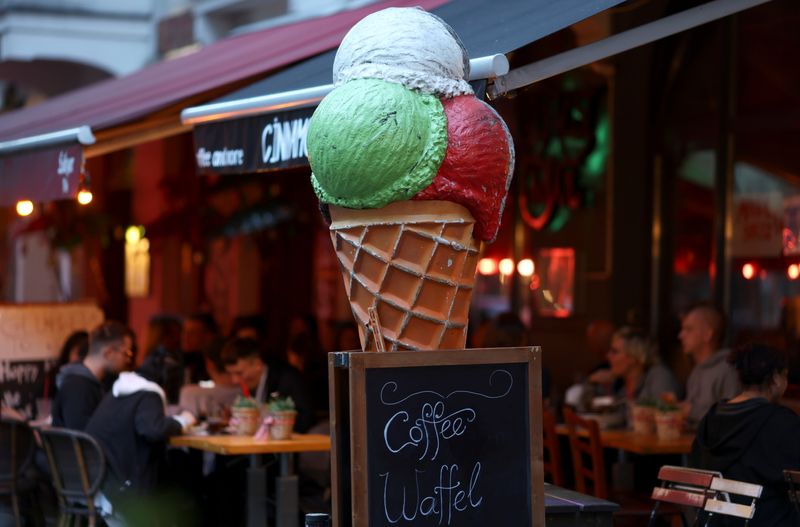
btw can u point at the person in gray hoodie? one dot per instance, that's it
(80, 387)
(712, 378)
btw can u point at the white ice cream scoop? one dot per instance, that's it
(408, 46)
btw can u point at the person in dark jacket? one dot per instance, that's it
(79, 384)
(750, 437)
(132, 428)
(264, 380)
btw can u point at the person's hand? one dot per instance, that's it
(186, 419)
(601, 377)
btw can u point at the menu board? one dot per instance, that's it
(443, 438)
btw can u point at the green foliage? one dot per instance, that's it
(281, 404)
(245, 402)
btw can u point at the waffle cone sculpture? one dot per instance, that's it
(415, 171)
(414, 262)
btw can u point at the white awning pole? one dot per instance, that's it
(633, 38)
(481, 68)
(82, 135)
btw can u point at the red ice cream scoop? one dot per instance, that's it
(478, 163)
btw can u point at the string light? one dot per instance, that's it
(748, 271)
(526, 267)
(506, 266)
(487, 266)
(85, 197)
(24, 207)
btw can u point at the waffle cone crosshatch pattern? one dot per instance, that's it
(414, 262)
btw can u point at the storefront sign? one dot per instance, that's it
(253, 144)
(40, 174)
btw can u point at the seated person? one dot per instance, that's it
(133, 430)
(79, 384)
(712, 378)
(244, 363)
(633, 359)
(752, 438)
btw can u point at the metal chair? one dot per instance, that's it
(686, 487)
(552, 465)
(77, 466)
(721, 503)
(17, 446)
(793, 482)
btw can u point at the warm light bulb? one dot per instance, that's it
(506, 266)
(85, 197)
(24, 207)
(133, 234)
(793, 271)
(748, 271)
(525, 267)
(487, 266)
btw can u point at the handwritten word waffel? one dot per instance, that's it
(428, 429)
(448, 495)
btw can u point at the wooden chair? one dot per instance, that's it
(550, 441)
(589, 470)
(588, 464)
(721, 503)
(685, 487)
(77, 467)
(793, 482)
(18, 445)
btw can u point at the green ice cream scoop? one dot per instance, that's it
(372, 142)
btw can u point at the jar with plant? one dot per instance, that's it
(643, 416)
(283, 412)
(669, 419)
(245, 415)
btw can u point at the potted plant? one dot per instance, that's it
(643, 416)
(245, 415)
(283, 413)
(669, 420)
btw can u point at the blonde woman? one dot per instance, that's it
(632, 358)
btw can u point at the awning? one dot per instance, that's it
(244, 130)
(486, 27)
(145, 105)
(43, 168)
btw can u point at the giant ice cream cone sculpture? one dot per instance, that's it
(415, 172)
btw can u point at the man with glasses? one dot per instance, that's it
(80, 385)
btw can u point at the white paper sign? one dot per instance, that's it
(31, 332)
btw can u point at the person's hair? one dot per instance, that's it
(77, 339)
(256, 322)
(713, 317)
(163, 330)
(636, 344)
(206, 320)
(505, 331)
(757, 364)
(240, 348)
(106, 334)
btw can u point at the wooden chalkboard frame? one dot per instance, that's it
(347, 376)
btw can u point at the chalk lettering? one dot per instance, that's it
(448, 496)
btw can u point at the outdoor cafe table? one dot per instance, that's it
(286, 483)
(626, 440)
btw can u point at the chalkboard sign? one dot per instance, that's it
(441, 438)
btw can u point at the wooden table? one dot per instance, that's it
(645, 444)
(286, 484)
